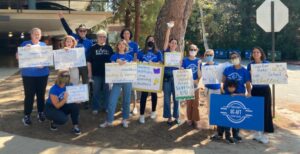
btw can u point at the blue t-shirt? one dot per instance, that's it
(124, 57)
(240, 75)
(191, 64)
(34, 71)
(149, 56)
(168, 73)
(57, 91)
(249, 69)
(133, 48)
(212, 86)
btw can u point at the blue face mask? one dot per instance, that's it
(209, 58)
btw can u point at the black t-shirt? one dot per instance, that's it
(98, 56)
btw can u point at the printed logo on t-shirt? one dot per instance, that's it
(102, 52)
(235, 76)
(61, 96)
(149, 57)
(193, 67)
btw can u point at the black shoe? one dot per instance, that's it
(86, 105)
(237, 139)
(41, 117)
(170, 123)
(53, 126)
(230, 140)
(26, 120)
(216, 137)
(76, 131)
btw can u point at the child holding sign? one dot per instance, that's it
(57, 109)
(170, 45)
(193, 63)
(121, 58)
(150, 54)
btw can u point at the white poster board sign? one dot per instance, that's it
(184, 84)
(77, 93)
(172, 59)
(35, 56)
(212, 74)
(269, 73)
(149, 77)
(116, 73)
(69, 58)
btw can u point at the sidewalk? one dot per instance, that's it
(6, 72)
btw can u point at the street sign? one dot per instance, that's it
(263, 15)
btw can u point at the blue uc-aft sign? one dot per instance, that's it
(237, 112)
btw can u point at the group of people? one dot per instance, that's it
(236, 81)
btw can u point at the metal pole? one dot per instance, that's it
(69, 6)
(273, 52)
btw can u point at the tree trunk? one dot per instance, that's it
(203, 28)
(179, 11)
(137, 5)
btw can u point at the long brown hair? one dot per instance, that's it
(263, 55)
(145, 50)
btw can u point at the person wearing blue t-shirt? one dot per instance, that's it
(258, 57)
(242, 76)
(150, 54)
(34, 81)
(121, 58)
(133, 49)
(193, 63)
(170, 45)
(57, 109)
(82, 41)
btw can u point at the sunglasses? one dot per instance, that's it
(209, 55)
(101, 36)
(193, 49)
(82, 31)
(65, 75)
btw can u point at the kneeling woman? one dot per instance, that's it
(57, 109)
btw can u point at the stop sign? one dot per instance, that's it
(263, 15)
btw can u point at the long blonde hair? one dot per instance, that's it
(73, 40)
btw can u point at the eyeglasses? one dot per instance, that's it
(193, 49)
(101, 36)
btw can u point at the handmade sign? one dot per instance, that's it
(77, 93)
(212, 74)
(237, 112)
(184, 84)
(149, 77)
(69, 58)
(35, 56)
(116, 73)
(269, 73)
(172, 59)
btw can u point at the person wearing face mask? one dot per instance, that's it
(193, 63)
(240, 74)
(210, 88)
(258, 57)
(82, 41)
(57, 109)
(150, 54)
(34, 81)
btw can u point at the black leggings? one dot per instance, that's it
(60, 116)
(34, 86)
(144, 96)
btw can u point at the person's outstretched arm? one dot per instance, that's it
(167, 36)
(65, 24)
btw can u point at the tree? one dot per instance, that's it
(178, 11)
(137, 5)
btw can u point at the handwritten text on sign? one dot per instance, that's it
(77, 93)
(35, 56)
(116, 73)
(184, 84)
(212, 74)
(65, 59)
(172, 59)
(270, 73)
(149, 77)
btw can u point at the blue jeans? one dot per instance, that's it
(168, 88)
(100, 93)
(60, 116)
(221, 130)
(113, 100)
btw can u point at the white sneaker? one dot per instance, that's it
(257, 136)
(125, 123)
(105, 124)
(142, 119)
(264, 139)
(135, 111)
(153, 115)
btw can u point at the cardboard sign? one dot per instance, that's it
(70, 58)
(184, 84)
(116, 73)
(77, 93)
(172, 59)
(35, 56)
(269, 73)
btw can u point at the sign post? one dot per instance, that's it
(272, 16)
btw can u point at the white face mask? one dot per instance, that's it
(193, 53)
(235, 61)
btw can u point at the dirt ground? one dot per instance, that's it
(153, 135)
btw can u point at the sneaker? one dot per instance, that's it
(177, 121)
(264, 139)
(26, 120)
(135, 111)
(153, 115)
(142, 119)
(41, 117)
(230, 140)
(237, 139)
(216, 137)
(125, 123)
(105, 124)
(53, 127)
(76, 131)
(94, 112)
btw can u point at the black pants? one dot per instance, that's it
(60, 116)
(34, 86)
(83, 72)
(143, 101)
(266, 93)
(221, 130)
